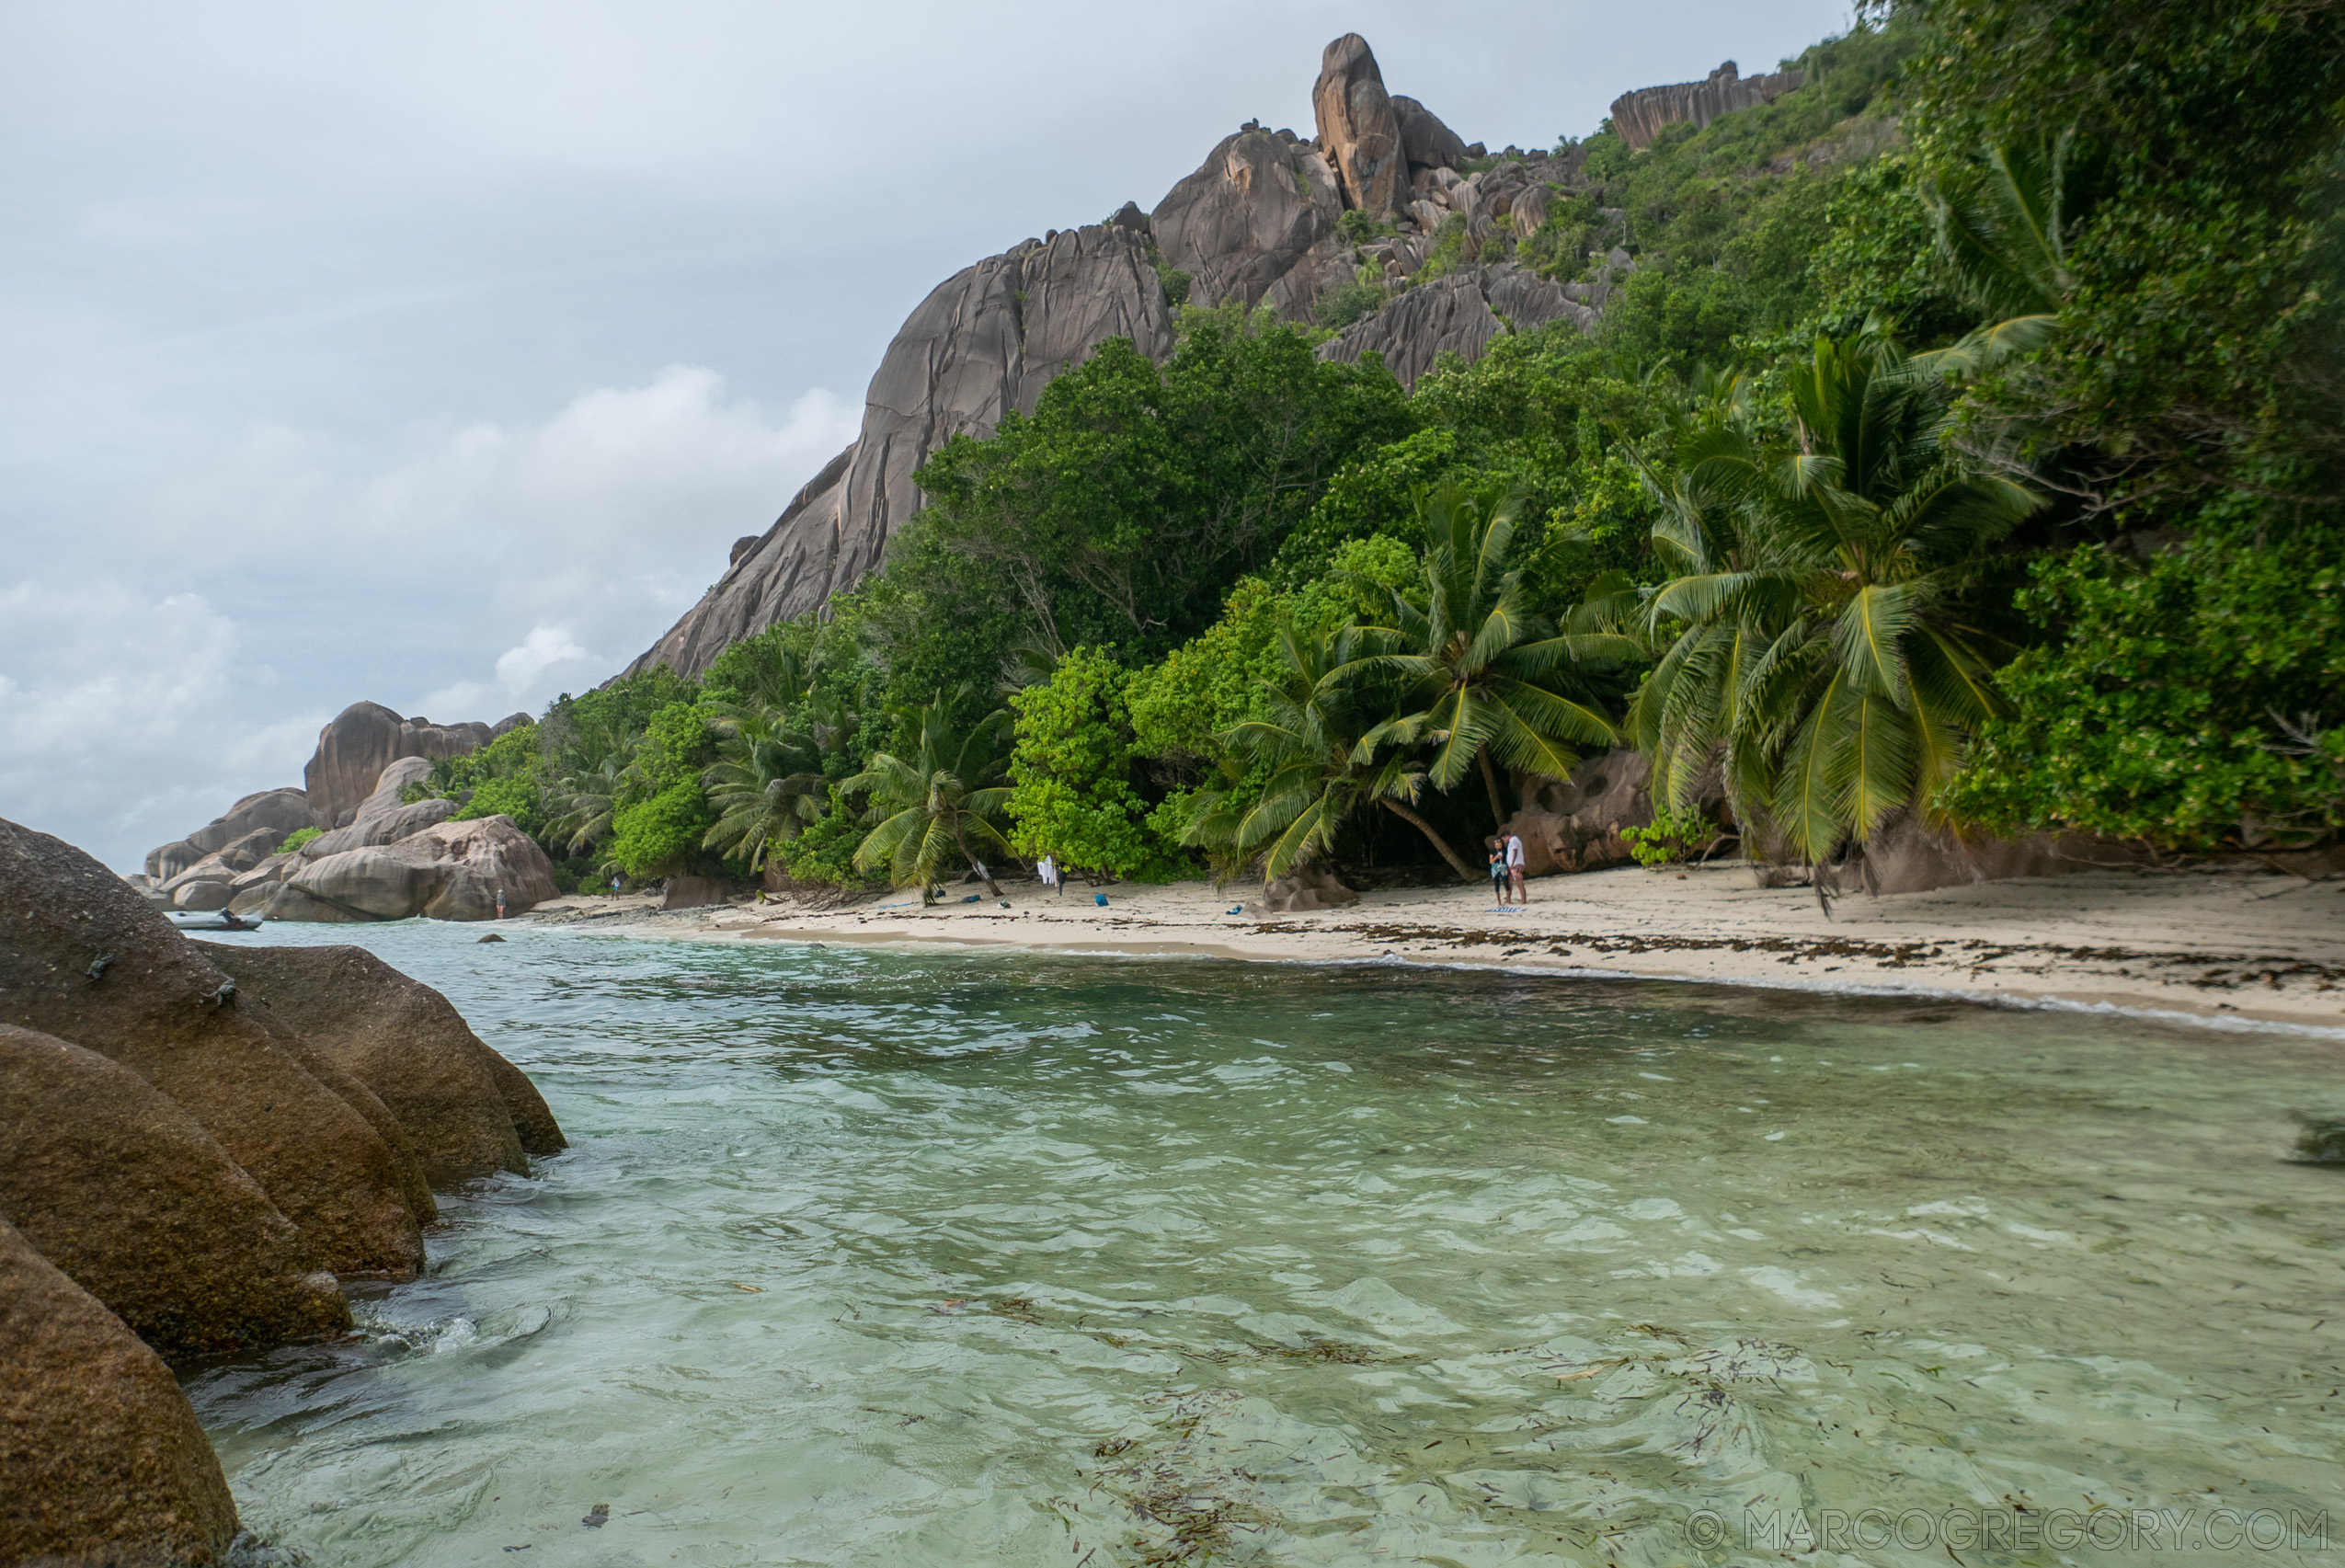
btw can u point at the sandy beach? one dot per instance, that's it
(2228, 946)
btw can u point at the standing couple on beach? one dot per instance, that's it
(1507, 866)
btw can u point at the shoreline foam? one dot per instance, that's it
(2260, 951)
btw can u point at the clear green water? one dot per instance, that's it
(881, 1258)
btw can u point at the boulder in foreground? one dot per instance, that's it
(83, 957)
(120, 1188)
(101, 1459)
(467, 1111)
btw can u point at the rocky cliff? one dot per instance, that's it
(1639, 117)
(1259, 223)
(986, 341)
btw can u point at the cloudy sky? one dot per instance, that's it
(434, 354)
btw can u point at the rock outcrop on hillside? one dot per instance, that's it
(1640, 115)
(1261, 222)
(1358, 127)
(1459, 313)
(101, 1459)
(1255, 221)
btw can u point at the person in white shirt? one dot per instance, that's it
(1514, 866)
(1048, 871)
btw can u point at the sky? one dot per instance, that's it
(435, 354)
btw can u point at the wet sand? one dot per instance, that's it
(2241, 947)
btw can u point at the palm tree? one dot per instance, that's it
(1817, 651)
(589, 781)
(2002, 232)
(942, 802)
(1488, 679)
(1318, 749)
(765, 784)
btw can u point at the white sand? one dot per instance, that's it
(2269, 948)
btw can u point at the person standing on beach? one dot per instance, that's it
(1048, 871)
(1514, 866)
(1497, 869)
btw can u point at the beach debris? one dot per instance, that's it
(1236, 909)
(974, 898)
(1100, 899)
(597, 1517)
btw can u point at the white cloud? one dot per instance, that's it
(489, 566)
(123, 717)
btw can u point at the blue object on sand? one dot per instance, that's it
(1100, 899)
(974, 898)
(1236, 909)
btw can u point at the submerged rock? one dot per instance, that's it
(465, 1109)
(83, 957)
(101, 1459)
(115, 1183)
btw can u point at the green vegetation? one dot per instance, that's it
(1963, 440)
(296, 838)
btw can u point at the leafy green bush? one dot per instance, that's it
(2192, 700)
(296, 838)
(1072, 773)
(824, 850)
(1668, 837)
(661, 836)
(518, 796)
(1342, 305)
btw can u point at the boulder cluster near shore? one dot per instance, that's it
(377, 855)
(195, 1142)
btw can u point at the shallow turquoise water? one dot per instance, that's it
(881, 1258)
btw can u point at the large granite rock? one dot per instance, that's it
(1358, 131)
(467, 1110)
(1303, 889)
(1640, 115)
(84, 958)
(451, 871)
(366, 738)
(1425, 142)
(1574, 824)
(1256, 221)
(1460, 312)
(381, 819)
(787, 571)
(1908, 856)
(117, 1184)
(275, 811)
(101, 1459)
(985, 341)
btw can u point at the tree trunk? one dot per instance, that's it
(1490, 783)
(987, 876)
(1465, 873)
